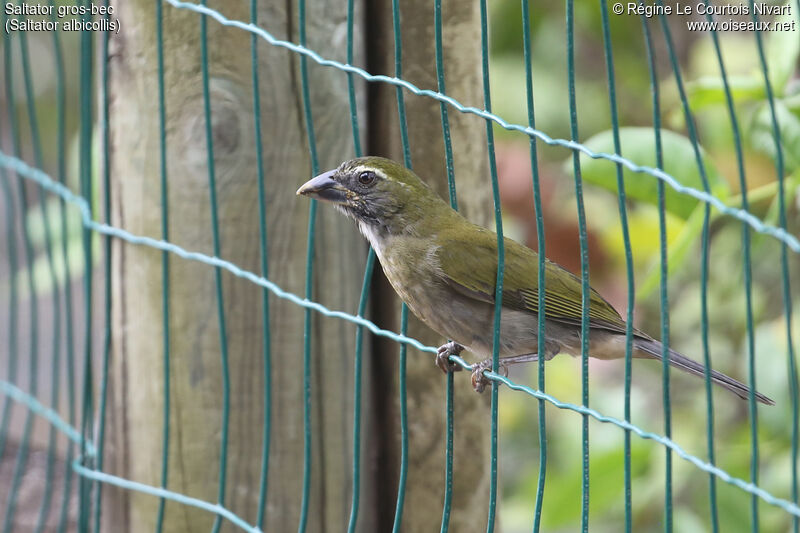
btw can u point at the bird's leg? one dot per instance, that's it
(443, 357)
(479, 381)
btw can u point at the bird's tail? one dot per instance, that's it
(653, 349)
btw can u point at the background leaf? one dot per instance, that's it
(638, 145)
(783, 50)
(707, 91)
(763, 139)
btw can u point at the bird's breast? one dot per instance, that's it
(413, 271)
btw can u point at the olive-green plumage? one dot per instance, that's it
(445, 269)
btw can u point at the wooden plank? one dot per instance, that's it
(136, 391)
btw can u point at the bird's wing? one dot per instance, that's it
(463, 263)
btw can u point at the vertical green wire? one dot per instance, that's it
(85, 170)
(46, 507)
(307, 373)
(312, 217)
(786, 289)
(537, 204)
(56, 381)
(13, 298)
(223, 339)
(451, 187)
(623, 218)
(12, 256)
(10, 211)
(38, 159)
(351, 90)
(33, 122)
(401, 114)
(448, 456)
(576, 165)
(104, 131)
(263, 256)
(398, 73)
(34, 315)
(69, 326)
(48, 243)
(664, 302)
(22, 452)
(704, 264)
(440, 82)
(165, 300)
(654, 89)
(498, 303)
(745, 236)
(751, 346)
(691, 130)
(402, 390)
(55, 287)
(362, 305)
(664, 315)
(791, 362)
(368, 270)
(364, 298)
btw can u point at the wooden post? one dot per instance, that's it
(426, 384)
(136, 394)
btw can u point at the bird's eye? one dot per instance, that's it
(367, 177)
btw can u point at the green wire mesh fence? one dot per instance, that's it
(29, 230)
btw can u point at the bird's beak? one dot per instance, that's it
(324, 187)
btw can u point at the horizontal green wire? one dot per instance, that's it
(217, 509)
(41, 178)
(35, 407)
(18, 395)
(779, 233)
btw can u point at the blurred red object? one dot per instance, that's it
(562, 244)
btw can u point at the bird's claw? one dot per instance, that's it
(443, 357)
(479, 380)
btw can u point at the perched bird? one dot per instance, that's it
(444, 268)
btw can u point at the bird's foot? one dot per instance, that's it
(443, 357)
(479, 381)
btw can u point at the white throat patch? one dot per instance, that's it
(370, 233)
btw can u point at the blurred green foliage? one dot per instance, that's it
(518, 413)
(726, 297)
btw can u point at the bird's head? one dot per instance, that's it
(381, 195)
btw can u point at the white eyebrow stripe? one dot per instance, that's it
(362, 168)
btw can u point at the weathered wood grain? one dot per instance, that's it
(426, 384)
(136, 391)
